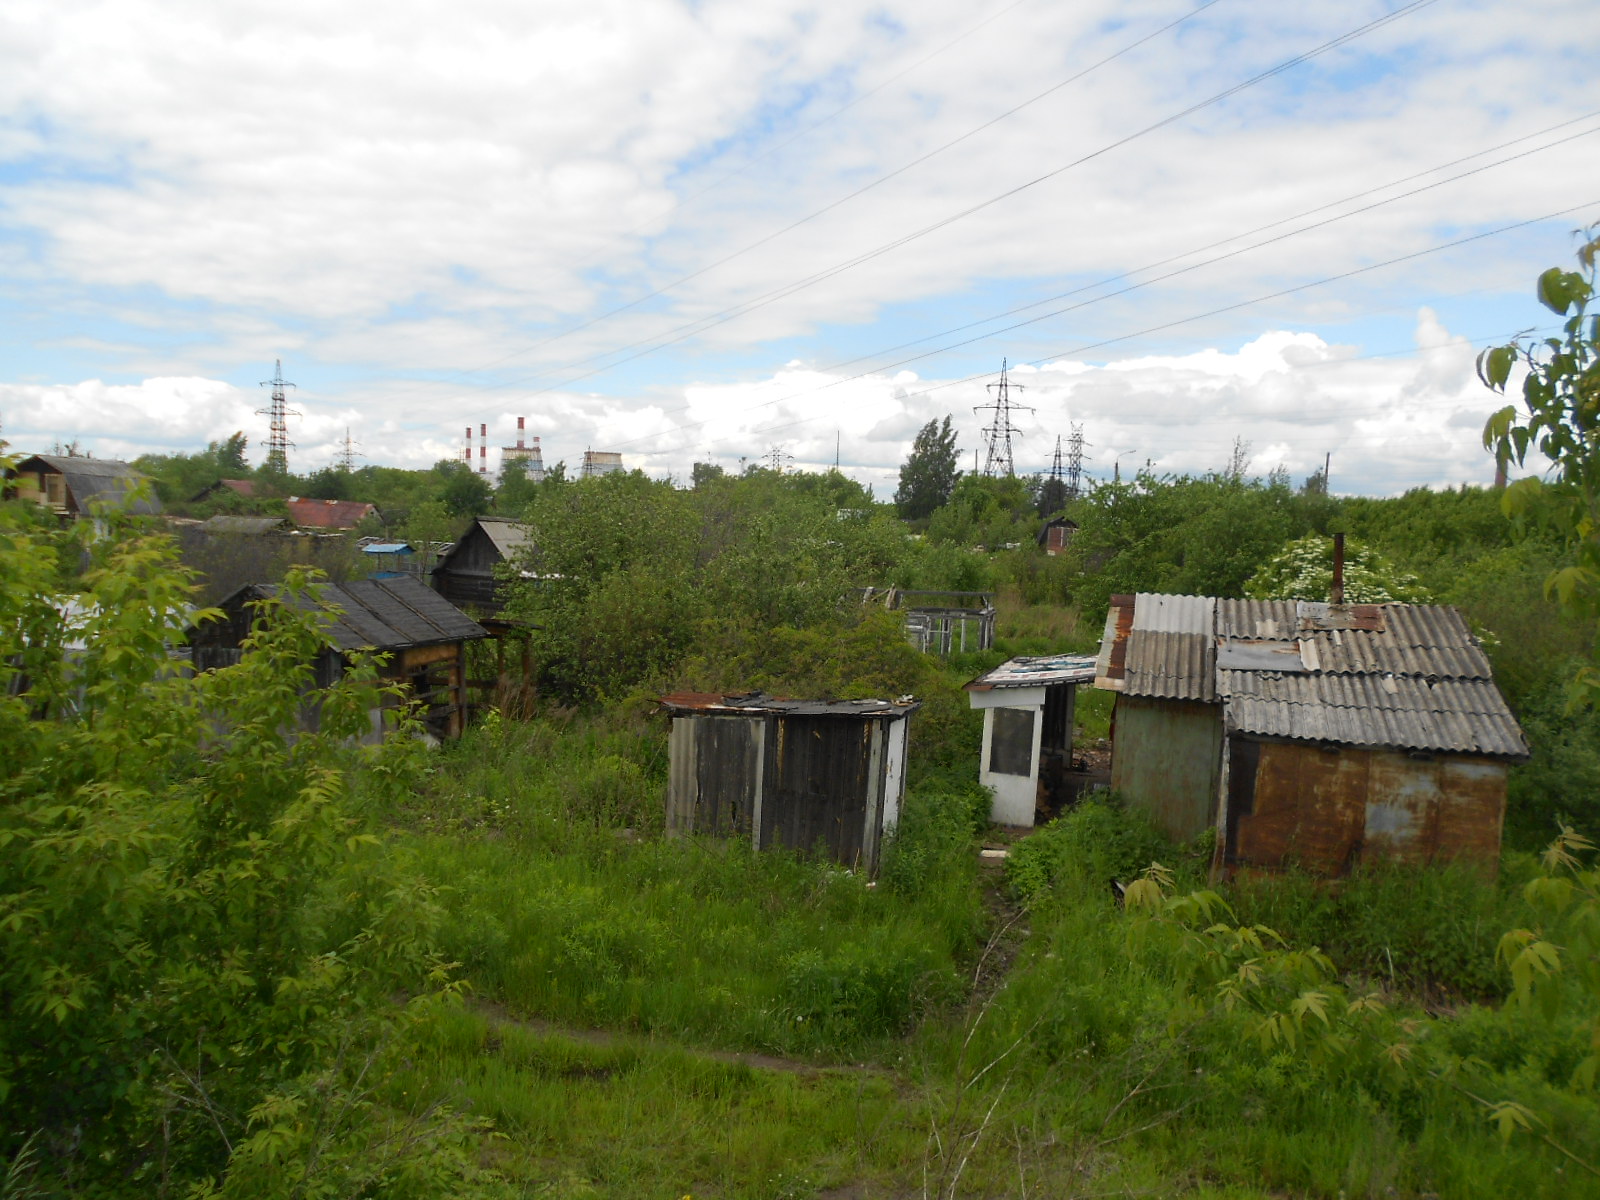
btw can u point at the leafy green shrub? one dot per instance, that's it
(1098, 841)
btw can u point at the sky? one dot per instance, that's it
(729, 230)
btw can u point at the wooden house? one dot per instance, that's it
(1310, 735)
(466, 573)
(1028, 706)
(328, 514)
(424, 636)
(810, 775)
(1056, 535)
(70, 484)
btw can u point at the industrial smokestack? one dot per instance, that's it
(467, 454)
(1338, 569)
(483, 449)
(519, 434)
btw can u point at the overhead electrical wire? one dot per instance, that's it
(701, 325)
(1165, 325)
(881, 367)
(765, 153)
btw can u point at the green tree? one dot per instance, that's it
(1303, 570)
(929, 474)
(516, 490)
(462, 490)
(1560, 418)
(199, 944)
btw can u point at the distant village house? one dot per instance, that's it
(328, 514)
(471, 572)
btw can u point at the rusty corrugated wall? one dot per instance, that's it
(1164, 760)
(1325, 808)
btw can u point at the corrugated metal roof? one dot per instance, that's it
(384, 614)
(759, 702)
(1037, 672)
(328, 514)
(1171, 666)
(1464, 716)
(222, 523)
(1404, 676)
(1157, 613)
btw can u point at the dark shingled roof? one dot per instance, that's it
(381, 614)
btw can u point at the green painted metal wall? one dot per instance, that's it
(1165, 758)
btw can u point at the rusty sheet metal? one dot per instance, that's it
(1173, 666)
(1323, 811)
(1036, 672)
(1111, 667)
(1314, 615)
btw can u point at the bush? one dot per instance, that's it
(1097, 842)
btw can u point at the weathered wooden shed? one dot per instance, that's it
(69, 484)
(1309, 734)
(1028, 706)
(1056, 535)
(424, 635)
(466, 574)
(806, 774)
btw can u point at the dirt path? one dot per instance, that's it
(499, 1015)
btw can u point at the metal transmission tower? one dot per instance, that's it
(345, 460)
(1074, 460)
(277, 415)
(777, 458)
(1055, 464)
(998, 433)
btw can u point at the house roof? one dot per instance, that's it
(379, 614)
(242, 487)
(222, 523)
(328, 514)
(751, 703)
(1037, 672)
(508, 536)
(1400, 676)
(102, 479)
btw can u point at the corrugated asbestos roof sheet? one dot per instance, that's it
(760, 702)
(101, 479)
(1036, 672)
(1405, 676)
(1168, 651)
(387, 614)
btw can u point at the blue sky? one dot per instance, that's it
(462, 215)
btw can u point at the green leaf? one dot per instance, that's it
(1559, 290)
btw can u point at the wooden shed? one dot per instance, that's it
(810, 775)
(69, 484)
(1310, 735)
(424, 635)
(1028, 706)
(466, 574)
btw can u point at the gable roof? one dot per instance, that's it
(240, 487)
(328, 514)
(97, 479)
(508, 537)
(378, 614)
(1399, 676)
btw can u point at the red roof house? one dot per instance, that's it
(328, 514)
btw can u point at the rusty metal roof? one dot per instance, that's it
(1037, 672)
(1395, 675)
(756, 703)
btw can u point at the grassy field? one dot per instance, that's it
(668, 1017)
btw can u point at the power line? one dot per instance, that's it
(1222, 309)
(701, 325)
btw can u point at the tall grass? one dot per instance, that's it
(566, 902)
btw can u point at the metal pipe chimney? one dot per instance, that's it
(1338, 570)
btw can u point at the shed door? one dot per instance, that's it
(817, 788)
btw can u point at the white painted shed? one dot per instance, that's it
(1028, 706)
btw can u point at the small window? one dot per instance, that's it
(1011, 743)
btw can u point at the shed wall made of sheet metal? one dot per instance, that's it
(1165, 760)
(1324, 809)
